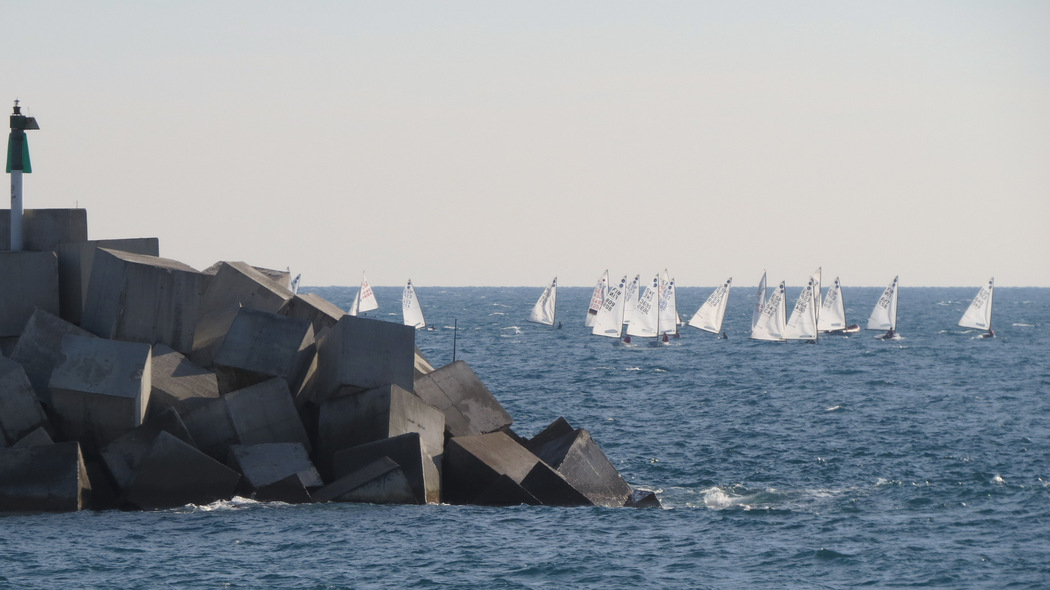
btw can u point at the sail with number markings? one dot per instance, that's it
(802, 325)
(546, 306)
(668, 317)
(709, 316)
(884, 315)
(630, 299)
(760, 301)
(365, 300)
(833, 310)
(411, 312)
(610, 316)
(596, 298)
(771, 322)
(979, 314)
(645, 321)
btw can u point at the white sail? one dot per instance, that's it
(365, 300)
(410, 309)
(802, 325)
(543, 311)
(884, 316)
(668, 320)
(630, 299)
(760, 301)
(833, 310)
(816, 276)
(646, 322)
(596, 298)
(294, 286)
(979, 314)
(610, 316)
(709, 316)
(665, 279)
(771, 323)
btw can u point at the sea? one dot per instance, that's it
(852, 462)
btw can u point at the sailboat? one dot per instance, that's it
(294, 285)
(816, 277)
(771, 323)
(884, 316)
(802, 325)
(760, 301)
(596, 298)
(546, 305)
(410, 309)
(365, 300)
(667, 320)
(979, 314)
(832, 319)
(609, 320)
(630, 299)
(709, 316)
(645, 322)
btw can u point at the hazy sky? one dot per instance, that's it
(501, 143)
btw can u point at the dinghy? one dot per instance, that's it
(544, 310)
(884, 316)
(832, 319)
(710, 315)
(771, 322)
(411, 312)
(365, 300)
(979, 314)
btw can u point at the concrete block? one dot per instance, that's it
(473, 463)
(211, 427)
(37, 438)
(504, 491)
(142, 299)
(379, 482)
(238, 283)
(43, 479)
(420, 468)
(74, 269)
(362, 354)
(422, 365)
(261, 345)
(275, 471)
(179, 383)
(100, 389)
(313, 308)
(551, 488)
(123, 455)
(44, 229)
(643, 499)
(28, 280)
(20, 410)
(376, 414)
(40, 348)
(469, 407)
(209, 333)
(583, 464)
(174, 473)
(560, 427)
(265, 413)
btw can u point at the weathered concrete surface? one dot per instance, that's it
(474, 463)
(211, 427)
(20, 411)
(173, 473)
(44, 229)
(37, 438)
(362, 354)
(29, 280)
(643, 499)
(238, 283)
(275, 471)
(142, 298)
(261, 345)
(313, 308)
(557, 429)
(379, 482)
(387, 411)
(123, 455)
(43, 479)
(504, 491)
(178, 383)
(583, 464)
(407, 450)
(422, 365)
(74, 269)
(551, 488)
(100, 389)
(469, 406)
(39, 348)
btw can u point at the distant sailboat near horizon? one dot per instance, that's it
(646, 321)
(832, 319)
(710, 315)
(630, 299)
(979, 314)
(364, 300)
(667, 320)
(597, 297)
(609, 321)
(802, 325)
(546, 306)
(760, 301)
(411, 312)
(884, 315)
(772, 320)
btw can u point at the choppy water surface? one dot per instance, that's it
(919, 462)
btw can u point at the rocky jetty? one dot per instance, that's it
(132, 381)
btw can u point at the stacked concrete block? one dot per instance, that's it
(178, 383)
(44, 229)
(100, 389)
(355, 419)
(313, 308)
(422, 366)
(142, 299)
(20, 410)
(275, 471)
(469, 406)
(75, 261)
(379, 482)
(49, 478)
(582, 463)
(174, 473)
(39, 348)
(407, 450)
(361, 354)
(261, 345)
(39, 437)
(123, 455)
(28, 280)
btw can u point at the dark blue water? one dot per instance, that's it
(922, 462)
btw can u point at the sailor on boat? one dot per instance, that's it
(989, 334)
(889, 334)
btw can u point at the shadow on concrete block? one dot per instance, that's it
(179, 383)
(20, 410)
(74, 269)
(379, 482)
(123, 455)
(39, 348)
(173, 473)
(474, 463)
(37, 438)
(30, 280)
(259, 346)
(583, 464)
(275, 472)
(49, 478)
(469, 407)
(407, 450)
(313, 308)
(44, 229)
(361, 354)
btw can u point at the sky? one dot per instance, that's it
(479, 143)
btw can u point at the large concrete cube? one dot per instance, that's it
(313, 308)
(142, 299)
(49, 478)
(261, 345)
(178, 383)
(123, 455)
(28, 280)
(100, 389)
(379, 482)
(173, 473)
(74, 269)
(238, 283)
(20, 411)
(275, 471)
(407, 450)
(39, 348)
(362, 353)
(469, 406)
(583, 464)
(45, 229)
